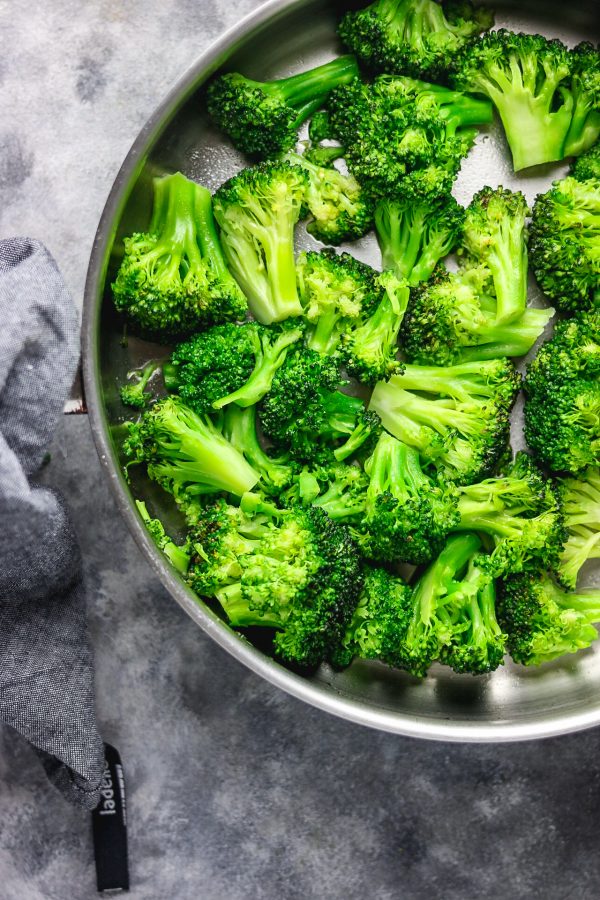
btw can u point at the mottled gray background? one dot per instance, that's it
(236, 791)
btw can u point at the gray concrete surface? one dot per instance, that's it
(236, 791)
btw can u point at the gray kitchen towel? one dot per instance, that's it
(46, 666)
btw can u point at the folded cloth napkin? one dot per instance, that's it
(46, 666)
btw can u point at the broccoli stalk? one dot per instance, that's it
(173, 278)
(178, 556)
(185, 453)
(585, 85)
(263, 118)
(495, 237)
(544, 622)
(134, 394)
(256, 211)
(414, 235)
(239, 427)
(581, 508)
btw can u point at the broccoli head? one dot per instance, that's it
(494, 236)
(339, 210)
(256, 211)
(587, 166)
(412, 37)
(562, 397)
(457, 417)
(185, 453)
(565, 243)
(173, 278)
(262, 118)
(135, 394)
(452, 318)
(414, 234)
(376, 629)
(520, 514)
(580, 498)
(292, 570)
(544, 622)
(407, 514)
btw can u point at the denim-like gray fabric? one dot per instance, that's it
(46, 666)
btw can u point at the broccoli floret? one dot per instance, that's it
(494, 236)
(587, 166)
(432, 627)
(414, 235)
(185, 453)
(239, 427)
(178, 556)
(339, 208)
(362, 440)
(457, 417)
(173, 278)
(135, 394)
(256, 211)
(407, 514)
(369, 346)
(544, 94)
(412, 37)
(262, 118)
(319, 128)
(580, 499)
(565, 243)
(562, 397)
(544, 622)
(342, 492)
(292, 570)
(453, 318)
(229, 364)
(585, 88)
(379, 622)
(520, 513)
(334, 289)
(400, 132)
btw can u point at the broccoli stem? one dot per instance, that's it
(393, 467)
(238, 608)
(359, 435)
(173, 221)
(177, 556)
(303, 90)
(342, 411)
(240, 430)
(379, 334)
(210, 244)
(336, 504)
(269, 358)
(515, 339)
(324, 338)
(460, 381)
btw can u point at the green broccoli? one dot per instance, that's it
(135, 394)
(292, 570)
(412, 37)
(177, 555)
(545, 94)
(319, 127)
(397, 132)
(185, 453)
(262, 118)
(452, 319)
(173, 278)
(414, 235)
(376, 629)
(565, 243)
(494, 236)
(562, 397)
(342, 492)
(519, 512)
(457, 417)
(580, 498)
(339, 208)
(335, 289)
(544, 622)
(256, 211)
(239, 427)
(369, 345)
(587, 166)
(229, 364)
(407, 514)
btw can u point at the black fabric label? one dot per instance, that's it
(109, 826)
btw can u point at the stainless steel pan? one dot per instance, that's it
(284, 36)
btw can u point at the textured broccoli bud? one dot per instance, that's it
(587, 166)
(262, 118)
(256, 211)
(412, 37)
(565, 243)
(544, 622)
(173, 278)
